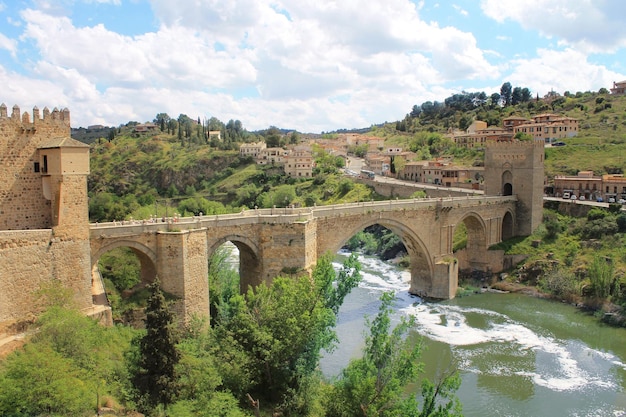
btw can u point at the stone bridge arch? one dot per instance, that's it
(147, 257)
(250, 265)
(421, 260)
(508, 225)
(477, 240)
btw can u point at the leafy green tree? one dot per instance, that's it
(162, 119)
(201, 393)
(273, 137)
(495, 100)
(40, 381)
(276, 333)
(154, 375)
(375, 385)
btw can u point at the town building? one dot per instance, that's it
(549, 127)
(272, 156)
(546, 127)
(619, 87)
(585, 184)
(145, 127)
(442, 173)
(299, 162)
(215, 134)
(251, 149)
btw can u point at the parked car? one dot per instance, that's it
(582, 198)
(566, 196)
(599, 199)
(611, 200)
(573, 197)
(621, 201)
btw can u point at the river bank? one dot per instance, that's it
(606, 312)
(517, 354)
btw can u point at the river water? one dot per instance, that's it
(517, 355)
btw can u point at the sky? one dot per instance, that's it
(310, 65)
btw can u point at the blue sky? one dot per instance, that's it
(310, 65)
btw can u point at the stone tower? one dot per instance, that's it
(44, 223)
(517, 168)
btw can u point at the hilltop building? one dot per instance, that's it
(619, 88)
(251, 149)
(299, 162)
(546, 127)
(145, 127)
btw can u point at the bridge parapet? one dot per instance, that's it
(286, 215)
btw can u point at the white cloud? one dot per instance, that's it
(592, 26)
(8, 44)
(561, 71)
(460, 10)
(309, 65)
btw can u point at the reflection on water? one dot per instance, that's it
(518, 356)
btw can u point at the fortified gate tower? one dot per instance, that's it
(516, 168)
(44, 221)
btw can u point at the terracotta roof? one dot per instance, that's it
(64, 142)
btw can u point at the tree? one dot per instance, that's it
(495, 100)
(154, 377)
(162, 119)
(39, 381)
(277, 332)
(516, 96)
(506, 92)
(375, 384)
(272, 137)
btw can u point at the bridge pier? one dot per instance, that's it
(440, 284)
(183, 271)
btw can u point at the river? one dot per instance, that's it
(517, 355)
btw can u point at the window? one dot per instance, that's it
(36, 167)
(45, 164)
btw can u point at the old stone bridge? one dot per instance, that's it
(271, 241)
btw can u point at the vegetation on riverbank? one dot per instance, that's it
(260, 356)
(578, 260)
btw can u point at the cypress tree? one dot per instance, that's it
(155, 378)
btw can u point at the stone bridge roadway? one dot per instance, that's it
(271, 241)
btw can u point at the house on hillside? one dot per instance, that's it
(251, 149)
(215, 134)
(299, 163)
(441, 172)
(619, 87)
(145, 127)
(549, 127)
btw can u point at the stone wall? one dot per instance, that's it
(394, 189)
(32, 260)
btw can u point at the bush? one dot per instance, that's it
(561, 283)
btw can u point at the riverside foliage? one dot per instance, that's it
(259, 357)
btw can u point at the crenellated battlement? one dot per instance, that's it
(56, 116)
(517, 144)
